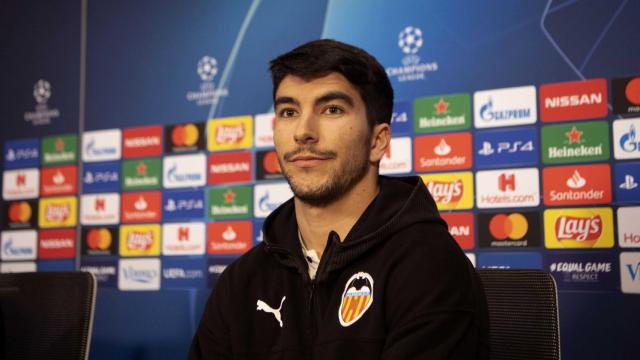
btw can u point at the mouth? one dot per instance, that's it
(308, 161)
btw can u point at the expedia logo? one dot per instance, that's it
(357, 298)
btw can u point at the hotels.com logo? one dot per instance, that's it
(446, 192)
(578, 228)
(507, 182)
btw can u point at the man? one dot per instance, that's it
(356, 265)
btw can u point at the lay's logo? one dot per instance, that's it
(230, 133)
(140, 240)
(579, 228)
(58, 212)
(451, 190)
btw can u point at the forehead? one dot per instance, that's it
(300, 88)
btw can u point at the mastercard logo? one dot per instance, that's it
(513, 226)
(185, 135)
(270, 163)
(20, 212)
(99, 239)
(632, 91)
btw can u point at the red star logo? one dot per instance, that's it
(229, 197)
(574, 135)
(141, 169)
(441, 106)
(59, 144)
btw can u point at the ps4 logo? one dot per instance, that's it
(399, 117)
(506, 147)
(183, 204)
(100, 177)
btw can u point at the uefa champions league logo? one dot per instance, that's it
(42, 91)
(207, 68)
(410, 40)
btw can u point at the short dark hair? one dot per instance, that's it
(321, 57)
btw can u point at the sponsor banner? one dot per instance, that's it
(510, 260)
(472, 258)
(264, 124)
(59, 180)
(626, 139)
(576, 184)
(442, 152)
(577, 228)
(141, 207)
(57, 244)
(99, 241)
(397, 157)
(58, 212)
(215, 267)
(101, 145)
(577, 142)
(105, 271)
(629, 227)
(183, 138)
(626, 95)
(442, 113)
(509, 230)
(18, 245)
(401, 117)
(139, 274)
(18, 267)
(140, 240)
(506, 147)
(141, 174)
(230, 133)
(505, 107)
(56, 265)
(461, 227)
(183, 238)
(229, 237)
(183, 273)
(583, 272)
(630, 272)
(184, 171)
(267, 166)
(267, 197)
(451, 191)
(573, 100)
(20, 184)
(101, 177)
(142, 141)
(181, 205)
(230, 202)
(229, 167)
(258, 237)
(59, 149)
(98, 209)
(19, 214)
(21, 153)
(507, 188)
(627, 176)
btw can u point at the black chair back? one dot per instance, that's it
(46, 315)
(523, 314)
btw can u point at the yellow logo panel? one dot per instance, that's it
(140, 240)
(230, 133)
(451, 191)
(578, 228)
(58, 212)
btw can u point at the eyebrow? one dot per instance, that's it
(328, 97)
(285, 100)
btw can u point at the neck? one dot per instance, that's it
(315, 222)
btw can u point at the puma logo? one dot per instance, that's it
(266, 308)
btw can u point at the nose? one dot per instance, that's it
(306, 130)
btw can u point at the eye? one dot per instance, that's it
(333, 110)
(288, 112)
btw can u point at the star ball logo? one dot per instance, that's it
(42, 115)
(207, 94)
(207, 68)
(410, 41)
(516, 229)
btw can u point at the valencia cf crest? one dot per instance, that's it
(356, 298)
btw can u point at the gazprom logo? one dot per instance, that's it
(265, 204)
(10, 250)
(505, 107)
(184, 170)
(175, 176)
(487, 112)
(101, 145)
(93, 150)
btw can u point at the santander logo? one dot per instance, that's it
(445, 192)
(576, 181)
(578, 228)
(442, 149)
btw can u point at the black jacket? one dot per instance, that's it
(426, 300)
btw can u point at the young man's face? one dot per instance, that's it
(322, 137)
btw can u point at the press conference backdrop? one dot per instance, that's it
(137, 144)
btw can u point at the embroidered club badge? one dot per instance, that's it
(356, 298)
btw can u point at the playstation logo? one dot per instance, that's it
(487, 149)
(629, 183)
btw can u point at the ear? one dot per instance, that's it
(380, 141)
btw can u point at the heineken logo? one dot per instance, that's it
(230, 202)
(59, 149)
(141, 174)
(440, 113)
(575, 143)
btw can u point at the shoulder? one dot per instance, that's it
(248, 265)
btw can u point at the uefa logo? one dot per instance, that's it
(410, 40)
(42, 91)
(207, 68)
